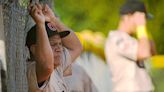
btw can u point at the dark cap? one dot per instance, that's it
(51, 30)
(131, 6)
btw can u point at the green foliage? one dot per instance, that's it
(157, 77)
(156, 25)
(102, 16)
(88, 14)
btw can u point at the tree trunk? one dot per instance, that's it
(16, 22)
(2, 54)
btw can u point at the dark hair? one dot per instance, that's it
(131, 6)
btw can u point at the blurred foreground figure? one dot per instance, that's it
(126, 54)
(80, 81)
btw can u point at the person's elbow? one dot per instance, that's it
(44, 72)
(47, 65)
(76, 52)
(49, 69)
(144, 55)
(80, 48)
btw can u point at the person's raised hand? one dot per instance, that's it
(36, 13)
(140, 21)
(48, 13)
(139, 18)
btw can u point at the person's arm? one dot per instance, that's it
(43, 53)
(71, 42)
(152, 49)
(144, 49)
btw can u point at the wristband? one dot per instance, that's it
(142, 32)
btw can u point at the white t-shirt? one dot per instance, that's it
(56, 82)
(121, 53)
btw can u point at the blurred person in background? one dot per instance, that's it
(80, 81)
(92, 60)
(126, 54)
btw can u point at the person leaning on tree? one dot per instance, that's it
(53, 47)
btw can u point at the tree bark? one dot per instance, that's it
(16, 22)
